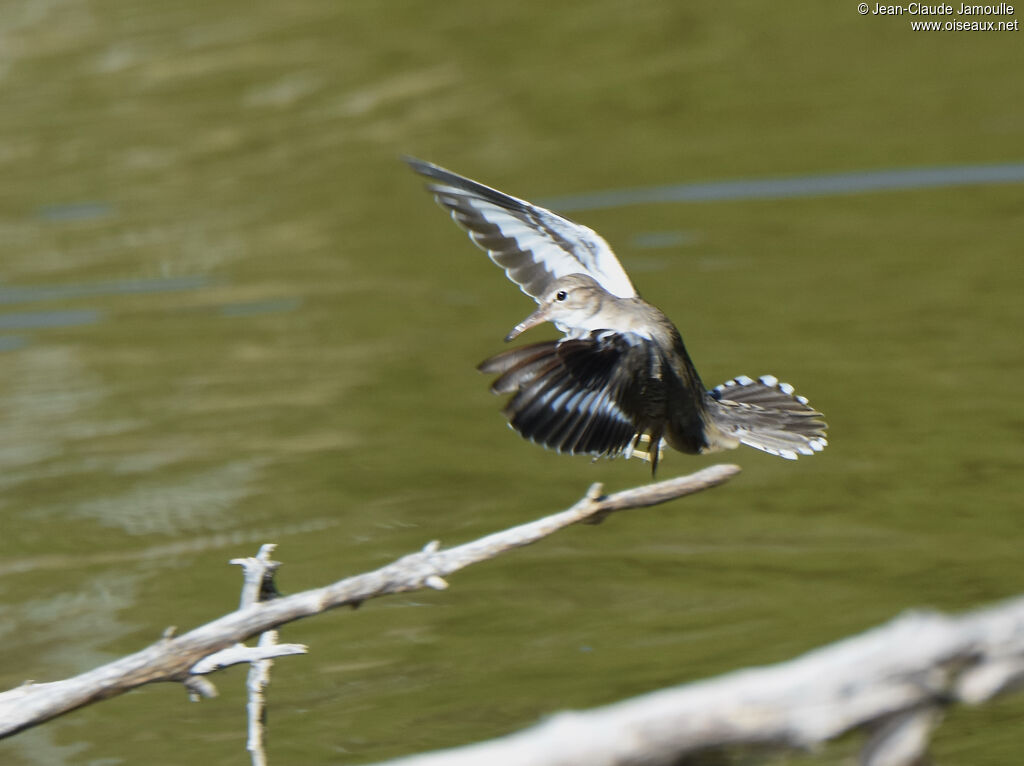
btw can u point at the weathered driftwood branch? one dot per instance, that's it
(259, 586)
(174, 658)
(893, 680)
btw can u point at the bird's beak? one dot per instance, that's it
(540, 316)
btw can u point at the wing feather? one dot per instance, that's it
(572, 395)
(533, 245)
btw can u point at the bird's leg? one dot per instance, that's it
(632, 451)
(627, 452)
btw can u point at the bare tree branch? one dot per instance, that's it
(259, 585)
(894, 679)
(239, 653)
(173, 658)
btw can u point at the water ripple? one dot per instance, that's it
(35, 293)
(800, 186)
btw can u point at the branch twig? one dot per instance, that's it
(259, 583)
(173, 658)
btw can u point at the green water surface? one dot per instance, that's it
(229, 315)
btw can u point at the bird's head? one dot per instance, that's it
(573, 302)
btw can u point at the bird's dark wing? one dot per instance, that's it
(576, 395)
(533, 245)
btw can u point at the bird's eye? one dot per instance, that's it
(561, 295)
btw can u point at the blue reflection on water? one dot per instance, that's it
(34, 320)
(12, 342)
(75, 211)
(33, 293)
(271, 306)
(800, 186)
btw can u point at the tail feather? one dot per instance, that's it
(767, 415)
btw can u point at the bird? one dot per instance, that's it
(620, 378)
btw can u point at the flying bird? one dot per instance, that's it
(620, 379)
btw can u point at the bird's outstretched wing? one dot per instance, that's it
(574, 396)
(533, 245)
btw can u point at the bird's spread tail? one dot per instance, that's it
(767, 415)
